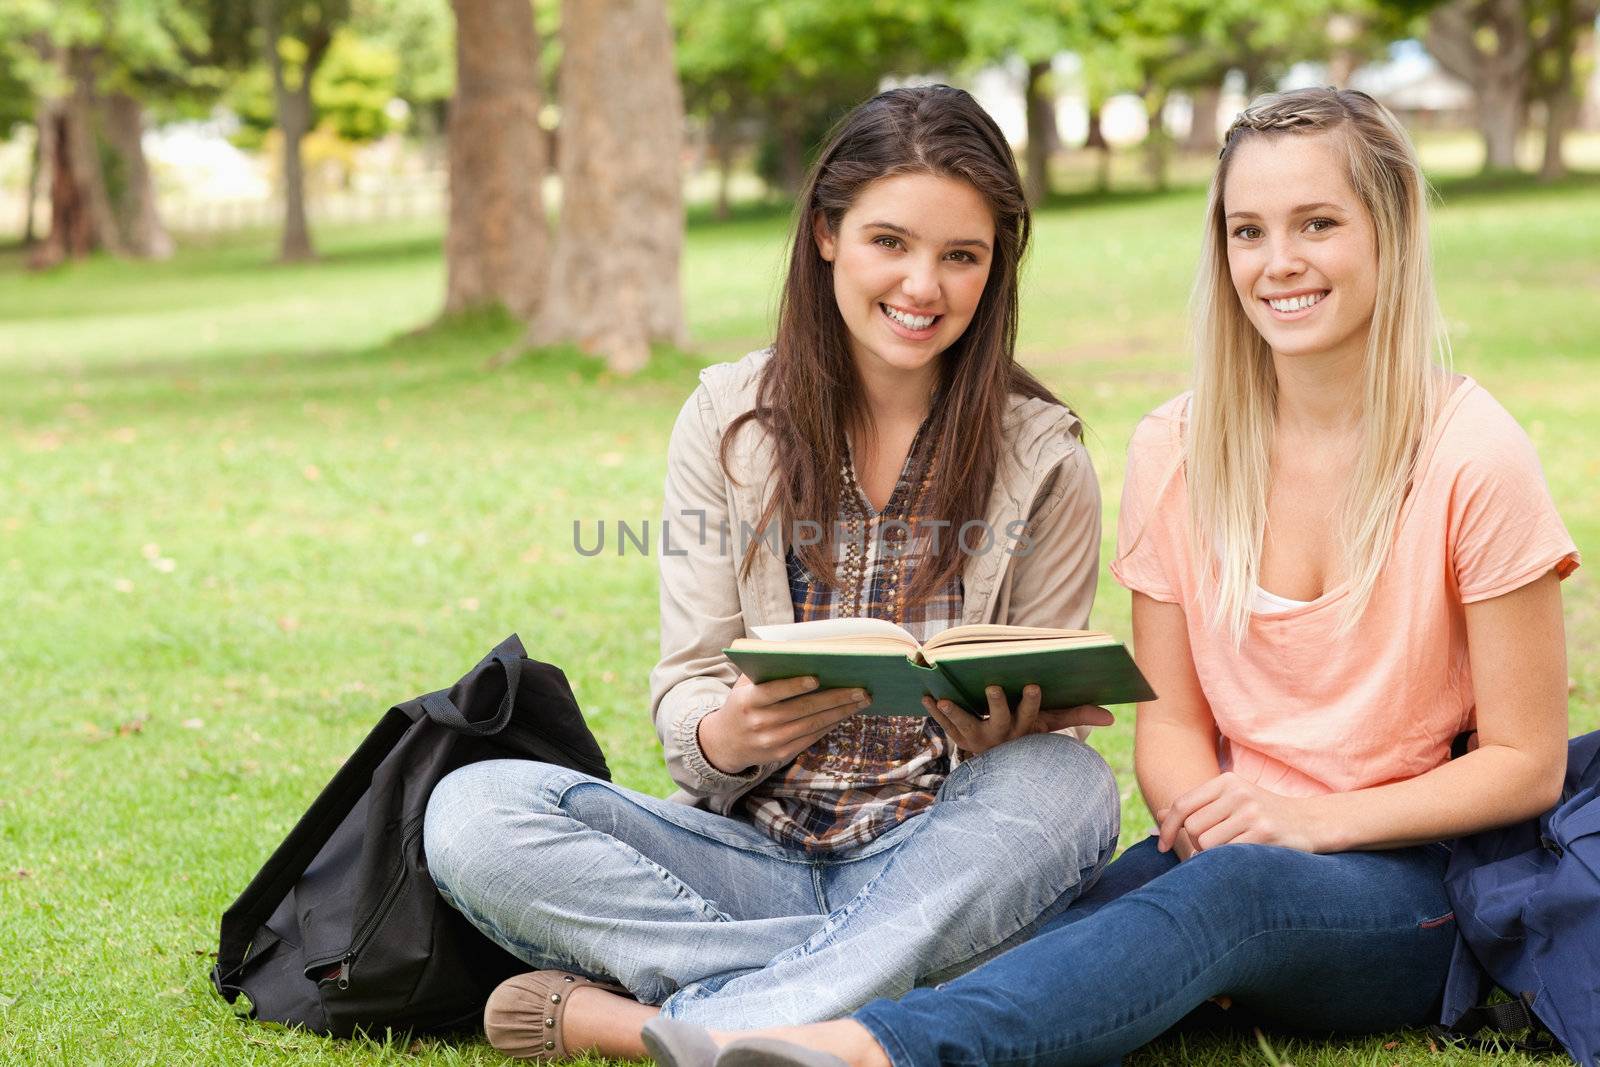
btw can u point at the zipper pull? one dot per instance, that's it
(344, 973)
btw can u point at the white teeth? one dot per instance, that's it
(910, 322)
(1296, 303)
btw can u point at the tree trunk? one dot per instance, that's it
(614, 284)
(722, 148)
(496, 247)
(1486, 44)
(80, 210)
(1156, 140)
(293, 103)
(30, 195)
(791, 151)
(134, 202)
(1042, 140)
(1567, 37)
(1096, 142)
(1343, 30)
(1203, 127)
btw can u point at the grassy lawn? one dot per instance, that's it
(244, 508)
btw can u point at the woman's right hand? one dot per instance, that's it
(773, 722)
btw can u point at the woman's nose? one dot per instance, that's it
(1285, 259)
(921, 284)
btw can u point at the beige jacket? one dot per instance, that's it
(1044, 480)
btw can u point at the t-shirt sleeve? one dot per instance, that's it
(1505, 530)
(1141, 531)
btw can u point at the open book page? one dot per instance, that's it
(982, 649)
(834, 635)
(989, 632)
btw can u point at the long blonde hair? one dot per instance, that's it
(1230, 426)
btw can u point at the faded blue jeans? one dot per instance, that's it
(1350, 942)
(713, 920)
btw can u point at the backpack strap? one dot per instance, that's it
(1501, 1021)
(280, 873)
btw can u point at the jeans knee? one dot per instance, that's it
(469, 811)
(1065, 788)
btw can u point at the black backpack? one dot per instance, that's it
(343, 930)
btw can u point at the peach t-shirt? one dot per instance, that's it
(1302, 709)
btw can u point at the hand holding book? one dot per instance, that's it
(975, 733)
(773, 721)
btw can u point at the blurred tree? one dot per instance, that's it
(86, 65)
(294, 37)
(1488, 45)
(495, 249)
(18, 108)
(798, 66)
(1562, 29)
(350, 93)
(420, 36)
(614, 283)
(1034, 31)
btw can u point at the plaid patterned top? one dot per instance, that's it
(871, 772)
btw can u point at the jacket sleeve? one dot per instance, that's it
(1053, 580)
(700, 609)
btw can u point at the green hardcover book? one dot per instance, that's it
(1071, 667)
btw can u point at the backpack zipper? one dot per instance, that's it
(368, 928)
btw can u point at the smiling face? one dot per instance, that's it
(1302, 251)
(910, 260)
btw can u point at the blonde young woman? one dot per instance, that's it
(1342, 558)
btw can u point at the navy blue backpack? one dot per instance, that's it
(1527, 904)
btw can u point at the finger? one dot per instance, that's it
(1082, 715)
(1183, 807)
(995, 697)
(1226, 832)
(985, 732)
(780, 689)
(809, 704)
(949, 724)
(1211, 815)
(1027, 711)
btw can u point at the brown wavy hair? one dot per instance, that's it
(810, 395)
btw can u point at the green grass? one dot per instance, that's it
(244, 508)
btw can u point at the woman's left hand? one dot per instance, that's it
(1228, 809)
(974, 735)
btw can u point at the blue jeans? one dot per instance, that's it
(1349, 942)
(713, 920)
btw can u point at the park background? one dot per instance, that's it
(323, 322)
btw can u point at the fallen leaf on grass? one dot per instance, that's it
(20, 873)
(193, 724)
(133, 726)
(1390, 1046)
(1433, 1048)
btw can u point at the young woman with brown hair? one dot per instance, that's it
(886, 458)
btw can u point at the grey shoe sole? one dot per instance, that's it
(678, 1044)
(771, 1052)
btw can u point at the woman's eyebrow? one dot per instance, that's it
(964, 242)
(1299, 209)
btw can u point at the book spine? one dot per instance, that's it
(956, 693)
